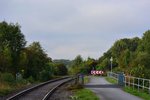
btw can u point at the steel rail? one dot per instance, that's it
(47, 96)
(21, 93)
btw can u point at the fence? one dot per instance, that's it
(135, 82)
(113, 75)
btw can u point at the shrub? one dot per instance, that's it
(7, 77)
(21, 81)
(75, 86)
(30, 79)
(45, 75)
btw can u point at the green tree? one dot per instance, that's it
(60, 69)
(47, 73)
(37, 60)
(12, 40)
(78, 60)
(146, 41)
(75, 66)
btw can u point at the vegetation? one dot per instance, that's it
(64, 61)
(84, 94)
(111, 80)
(130, 90)
(79, 66)
(129, 56)
(20, 64)
(135, 92)
(86, 79)
(27, 64)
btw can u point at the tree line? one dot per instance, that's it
(131, 56)
(29, 61)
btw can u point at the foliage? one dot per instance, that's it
(130, 90)
(129, 55)
(60, 69)
(76, 65)
(31, 61)
(143, 95)
(85, 94)
(111, 80)
(63, 61)
(7, 77)
(86, 79)
(146, 41)
(5, 89)
(46, 73)
(12, 41)
(75, 86)
(30, 79)
(36, 60)
(79, 66)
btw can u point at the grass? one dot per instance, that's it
(80, 93)
(111, 80)
(130, 90)
(86, 79)
(5, 89)
(9, 84)
(84, 94)
(135, 92)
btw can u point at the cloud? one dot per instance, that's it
(88, 27)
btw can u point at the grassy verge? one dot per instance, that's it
(80, 93)
(135, 92)
(6, 88)
(84, 94)
(9, 84)
(130, 90)
(86, 79)
(111, 80)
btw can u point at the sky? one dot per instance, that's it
(67, 28)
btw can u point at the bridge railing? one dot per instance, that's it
(135, 82)
(113, 75)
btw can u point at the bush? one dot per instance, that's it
(30, 79)
(7, 77)
(45, 75)
(75, 86)
(4, 89)
(21, 81)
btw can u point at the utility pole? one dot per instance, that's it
(111, 60)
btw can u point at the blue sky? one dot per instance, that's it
(66, 28)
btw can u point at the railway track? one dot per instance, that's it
(42, 91)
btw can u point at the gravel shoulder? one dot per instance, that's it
(63, 93)
(107, 91)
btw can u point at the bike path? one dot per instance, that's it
(107, 91)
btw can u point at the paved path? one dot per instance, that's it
(107, 91)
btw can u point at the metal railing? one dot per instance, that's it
(135, 82)
(139, 83)
(113, 75)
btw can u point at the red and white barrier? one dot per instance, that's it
(97, 72)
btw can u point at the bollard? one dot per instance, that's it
(82, 77)
(121, 79)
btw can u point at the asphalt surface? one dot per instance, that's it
(107, 91)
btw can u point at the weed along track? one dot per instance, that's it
(42, 91)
